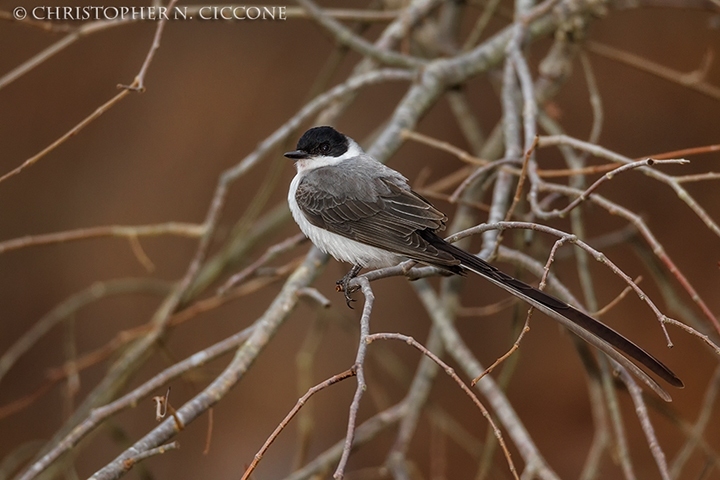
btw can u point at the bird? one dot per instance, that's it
(364, 213)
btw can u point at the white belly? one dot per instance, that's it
(341, 248)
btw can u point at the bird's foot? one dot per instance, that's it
(343, 285)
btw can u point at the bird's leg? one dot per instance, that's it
(343, 285)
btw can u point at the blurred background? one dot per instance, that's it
(215, 89)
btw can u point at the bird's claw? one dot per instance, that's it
(343, 285)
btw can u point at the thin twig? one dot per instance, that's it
(360, 373)
(609, 176)
(692, 331)
(348, 38)
(75, 35)
(622, 450)
(694, 80)
(70, 133)
(138, 84)
(444, 146)
(189, 230)
(595, 100)
(647, 427)
(300, 403)
(269, 255)
(617, 299)
(687, 152)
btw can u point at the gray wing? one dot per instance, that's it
(373, 205)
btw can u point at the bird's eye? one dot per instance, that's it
(324, 147)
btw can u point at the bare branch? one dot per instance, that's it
(694, 80)
(189, 230)
(359, 373)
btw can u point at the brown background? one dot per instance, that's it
(215, 90)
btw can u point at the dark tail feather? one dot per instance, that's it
(577, 321)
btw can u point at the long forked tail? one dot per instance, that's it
(581, 324)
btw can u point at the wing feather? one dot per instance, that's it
(377, 208)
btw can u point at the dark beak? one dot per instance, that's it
(297, 155)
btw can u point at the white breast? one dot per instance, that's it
(343, 249)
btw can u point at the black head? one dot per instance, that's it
(320, 141)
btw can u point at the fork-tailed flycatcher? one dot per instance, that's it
(364, 213)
